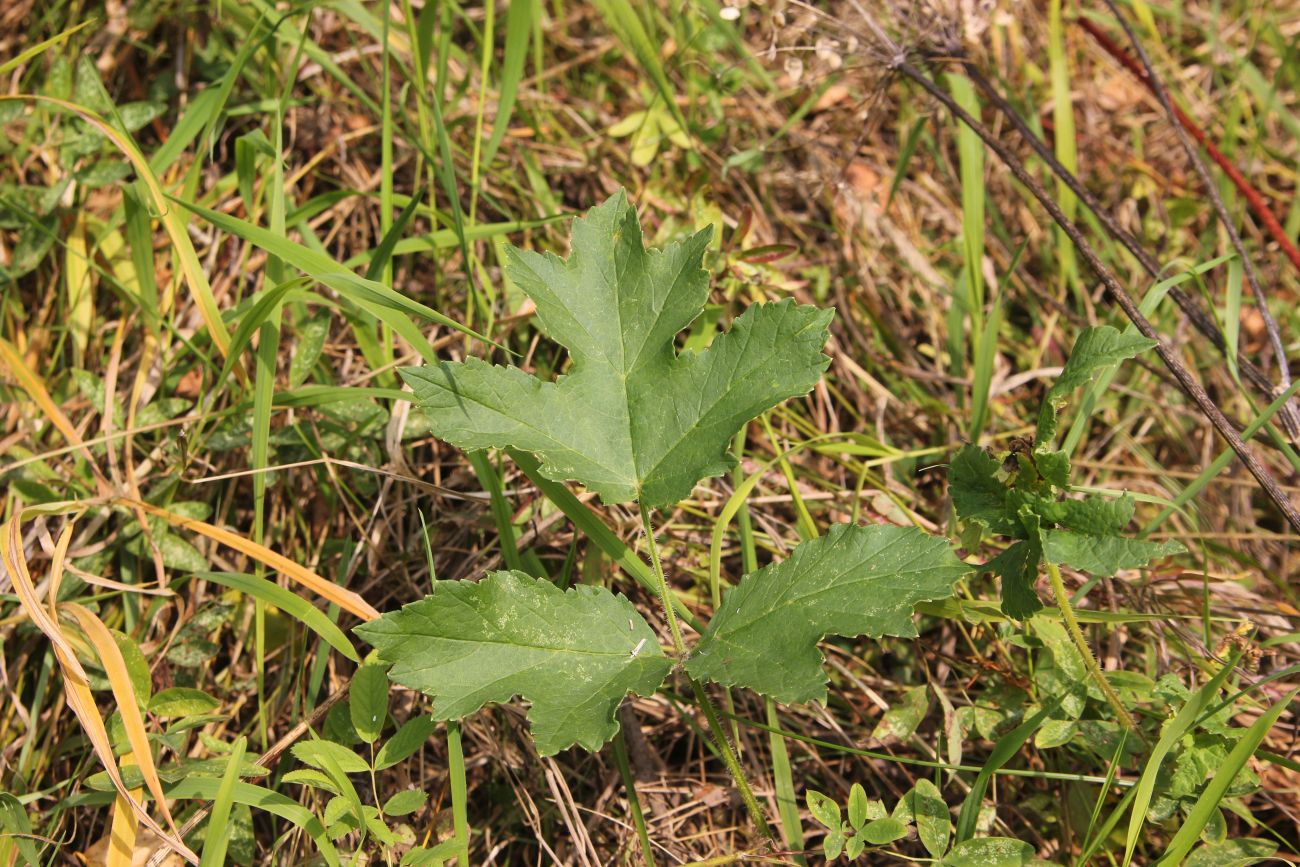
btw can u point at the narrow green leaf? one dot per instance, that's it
(574, 654)
(852, 581)
(325, 270)
(1169, 737)
(16, 842)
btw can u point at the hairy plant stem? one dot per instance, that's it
(1081, 644)
(718, 733)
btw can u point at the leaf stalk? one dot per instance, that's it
(1081, 644)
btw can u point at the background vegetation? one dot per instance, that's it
(158, 359)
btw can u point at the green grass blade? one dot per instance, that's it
(39, 48)
(1217, 788)
(382, 255)
(218, 835)
(1173, 731)
(325, 270)
(207, 788)
(519, 27)
(1003, 751)
(290, 603)
(628, 27)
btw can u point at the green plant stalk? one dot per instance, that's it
(729, 759)
(719, 734)
(1081, 644)
(633, 803)
(459, 792)
(669, 614)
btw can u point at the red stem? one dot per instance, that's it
(1253, 198)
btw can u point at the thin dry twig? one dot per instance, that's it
(1186, 381)
(1289, 418)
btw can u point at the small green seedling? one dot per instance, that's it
(1021, 495)
(636, 420)
(330, 761)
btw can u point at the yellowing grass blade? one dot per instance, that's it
(342, 597)
(173, 220)
(76, 691)
(81, 288)
(15, 565)
(82, 704)
(128, 704)
(121, 837)
(29, 382)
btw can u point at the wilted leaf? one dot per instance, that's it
(852, 581)
(574, 654)
(632, 419)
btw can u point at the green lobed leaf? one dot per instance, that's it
(1094, 350)
(978, 494)
(852, 581)
(574, 654)
(632, 419)
(1103, 555)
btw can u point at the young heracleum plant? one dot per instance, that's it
(1021, 496)
(634, 420)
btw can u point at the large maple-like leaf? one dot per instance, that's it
(852, 581)
(633, 419)
(574, 654)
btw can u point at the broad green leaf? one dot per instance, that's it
(857, 806)
(1017, 567)
(1094, 350)
(1103, 555)
(574, 654)
(405, 802)
(990, 852)
(977, 493)
(930, 813)
(823, 808)
(852, 581)
(368, 700)
(632, 419)
(1097, 516)
(904, 715)
(405, 742)
(182, 701)
(881, 832)
(1232, 853)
